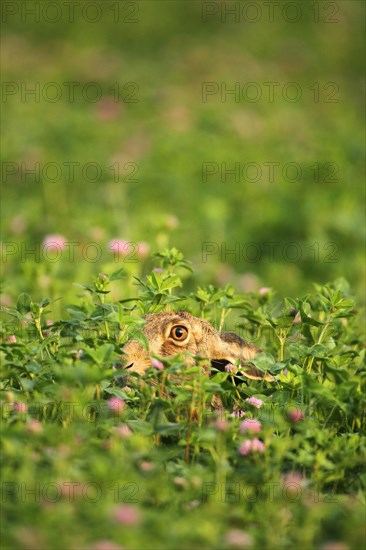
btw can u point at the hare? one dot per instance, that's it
(174, 332)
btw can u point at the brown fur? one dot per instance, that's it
(202, 341)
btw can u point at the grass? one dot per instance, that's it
(88, 464)
(170, 153)
(265, 197)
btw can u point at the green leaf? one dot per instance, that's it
(117, 392)
(140, 337)
(101, 355)
(24, 303)
(117, 275)
(305, 318)
(76, 312)
(85, 287)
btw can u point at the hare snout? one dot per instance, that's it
(136, 358)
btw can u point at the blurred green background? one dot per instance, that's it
(139, 71)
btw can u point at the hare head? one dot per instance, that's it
(175, 332)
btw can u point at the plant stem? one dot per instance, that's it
(319, 341)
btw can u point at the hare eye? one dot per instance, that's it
(179, 333)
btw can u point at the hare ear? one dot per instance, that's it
(235, 349)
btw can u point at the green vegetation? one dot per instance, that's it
(128, 140)
(91, 463)
(139, 109)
